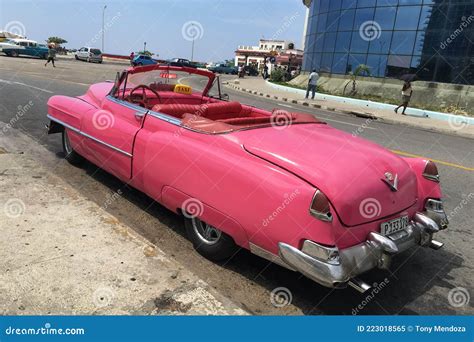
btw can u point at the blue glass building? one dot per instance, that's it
(432, 38)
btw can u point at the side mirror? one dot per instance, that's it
(225, 97)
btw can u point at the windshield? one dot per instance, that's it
(95, 51)
(164, 80)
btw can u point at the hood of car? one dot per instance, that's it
(363, 181)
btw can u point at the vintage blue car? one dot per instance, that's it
(143, 60)
(25, 47)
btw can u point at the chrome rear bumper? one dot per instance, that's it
(338, 268)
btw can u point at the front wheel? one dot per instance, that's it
(69, 154)
(14, 53)
(209, 241)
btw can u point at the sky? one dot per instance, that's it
(167, 26)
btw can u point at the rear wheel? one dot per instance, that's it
(69, 154)
(14, 53)
(77, 58)
(209, 241)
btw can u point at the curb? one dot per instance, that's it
(351, 112)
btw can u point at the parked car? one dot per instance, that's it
(25, 47)
(331, 213)
(223, 69)
(251, 70)
(181, 62)
(143, 60)
(89, 54)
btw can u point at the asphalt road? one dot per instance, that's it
(419, 281)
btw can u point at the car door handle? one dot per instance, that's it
(139, 115)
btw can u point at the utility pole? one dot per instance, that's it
(103, 28)
(144, 47)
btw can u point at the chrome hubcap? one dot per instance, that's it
(67, 144)
(207, 234)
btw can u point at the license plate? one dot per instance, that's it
(393, 226)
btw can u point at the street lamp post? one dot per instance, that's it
(144, 47)
(103, 27)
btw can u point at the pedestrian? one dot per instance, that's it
(407, 91)
(132, 56)
(312, 81)
(265, 72)
(51, 55)
(241, 71)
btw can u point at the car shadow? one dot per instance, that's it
(403, 290)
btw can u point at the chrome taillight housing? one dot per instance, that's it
(320, 207)
(431, 171)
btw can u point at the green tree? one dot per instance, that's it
(361, 70)
(56, 40)
(146, 53)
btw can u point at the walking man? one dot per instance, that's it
(312, 81)
(51, 55)
(407, 91)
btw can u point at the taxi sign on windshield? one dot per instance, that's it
(183, 89)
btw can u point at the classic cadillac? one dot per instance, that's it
(285, 186)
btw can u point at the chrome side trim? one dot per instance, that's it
(162, 116)
(165, 117)
(263, 253)
(89, 136)
(127, 104)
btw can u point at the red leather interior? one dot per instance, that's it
(223, 117)
(177, 110)
(213, 111)
(247, 121)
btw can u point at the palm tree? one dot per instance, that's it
(361, 69)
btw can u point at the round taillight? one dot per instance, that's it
(320, 207)
(431, 171)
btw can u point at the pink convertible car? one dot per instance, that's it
(285, 186)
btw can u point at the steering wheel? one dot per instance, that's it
(143, 99)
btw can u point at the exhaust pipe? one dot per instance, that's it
(359, 285)
(436, 244)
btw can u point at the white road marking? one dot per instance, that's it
(285, 105)
(33, 87)
(25, 85)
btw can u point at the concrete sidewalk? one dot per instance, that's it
(258, 87)
(60, 253)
